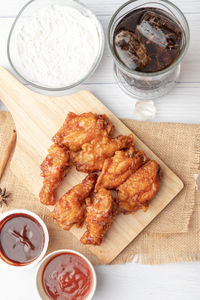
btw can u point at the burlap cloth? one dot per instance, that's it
(174, 235)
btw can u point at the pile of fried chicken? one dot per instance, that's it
(121, 179)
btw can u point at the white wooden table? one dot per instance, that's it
(130, 281)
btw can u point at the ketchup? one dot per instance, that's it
(21, 239)
(67, 276)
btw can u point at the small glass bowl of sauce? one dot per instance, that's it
(24, 238)
(66, 274)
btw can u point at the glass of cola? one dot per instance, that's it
(148, 41)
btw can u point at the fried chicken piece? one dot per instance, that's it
(118, 168)
(80, 129)
(93, 154)
(54, 168)
(139, 188)
(99, 217)
(70, 209)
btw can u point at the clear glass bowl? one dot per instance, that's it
(147, 86)
(27, 11)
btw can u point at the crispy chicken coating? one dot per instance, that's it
(80, 129)
(70, 209)
(54, 168)
(139, 188)
(87, 140)
(93, 154)
(99, 217)
(118, 168)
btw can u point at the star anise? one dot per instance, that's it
(22, 238)
(3, 197)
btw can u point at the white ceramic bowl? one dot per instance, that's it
(46, 237)
(44, 262)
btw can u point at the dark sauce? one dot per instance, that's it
(21, 239)
(67, 276)
(148, 40)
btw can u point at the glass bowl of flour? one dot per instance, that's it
(55, 45)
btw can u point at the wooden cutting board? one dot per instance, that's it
(37, 118)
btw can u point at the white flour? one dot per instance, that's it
(57, 46)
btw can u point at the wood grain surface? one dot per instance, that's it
(180, 105)
(37, 118)
(166, 282)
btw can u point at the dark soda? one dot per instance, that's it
(148, 40)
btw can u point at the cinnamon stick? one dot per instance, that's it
(7, 153)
